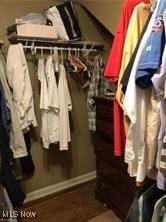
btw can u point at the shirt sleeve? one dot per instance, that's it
(15, 76)
(151, 57)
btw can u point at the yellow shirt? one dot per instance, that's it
(136, 25)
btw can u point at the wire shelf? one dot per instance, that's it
(54, 42)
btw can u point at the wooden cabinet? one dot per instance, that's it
(113, 187)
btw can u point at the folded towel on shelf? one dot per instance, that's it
(33, 30)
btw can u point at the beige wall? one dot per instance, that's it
(53, 166)
(106, 11)
(11, 9)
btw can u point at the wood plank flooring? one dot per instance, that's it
(108, 216)
(78, 205)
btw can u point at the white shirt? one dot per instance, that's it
(49, 102)
(65, 107)
(43, 103)
(19, 81)
(135, 104)
(17, 143)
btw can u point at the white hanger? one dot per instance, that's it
(33, 50)
(26, 44)
(153, 4)
(69, 53)
(61, 51)
(56, 59)
(42, 52)
(51, 51)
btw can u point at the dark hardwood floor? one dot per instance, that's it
(78, 205)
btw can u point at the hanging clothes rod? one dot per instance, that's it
(58, 48)
(54, 42)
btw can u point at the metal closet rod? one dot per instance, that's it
(58, 48)
(28, 41)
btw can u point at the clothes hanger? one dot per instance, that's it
(153, 1)
(85, 67)
(76, 62)
(70, 59)
(61, 55)
(33, 50)
(73, 62)
(51, 51)
(67, 61)
(153, 4)
(69, 53)
(26, 44)
(42, 56)
(56, 59)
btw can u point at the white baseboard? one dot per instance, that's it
(59, 186)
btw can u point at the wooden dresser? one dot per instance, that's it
(114, 187)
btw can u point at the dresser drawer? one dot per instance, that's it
(116, 178)
(103, 148)
(104, 108)
(104, 112)
(118, 199)
(114, 185)
(105, 166)
(104, 129)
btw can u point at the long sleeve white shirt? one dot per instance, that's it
(65, 107)
(19, 81)
(17, 142)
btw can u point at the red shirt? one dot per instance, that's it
(112, 70)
